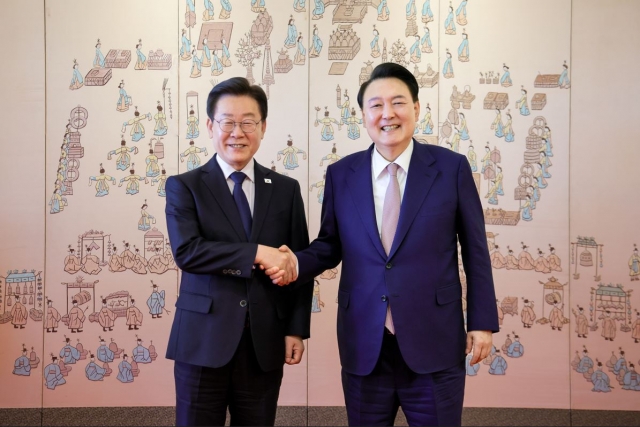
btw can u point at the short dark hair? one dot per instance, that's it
(388, 70)
(237, 86)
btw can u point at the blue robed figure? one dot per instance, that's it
(516, 349)
(464, 130)
(225, 52)
(448, 66)
(141, 354)
(141, 57)
(449, 23)
(301, 48)
(317, 43)
(185, 49)
(631, 381)
(319, 9)
(226, 5)
(415, 49)
(206, 52)
(209, 6)
(292, 35)
(99, 59)
(410, 8)
(498, 366)
(463, 49)
(216, 65)
(155, 302)
(53, 376)
(298, 4)
(621, 365)
(600, 382)
(124, 372)
(94, 372)
(584, 365)
(426, 39)
(197, 64)
(526, 210)
(426, 9)
(77, 78)
(506, 78)
(69, 354)
(22, 366)
(383, 7)
(462, 9)
(472, 370)
(563, 81)
(105, 354)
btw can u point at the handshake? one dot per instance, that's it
(279, 264)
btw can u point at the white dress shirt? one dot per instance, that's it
(248, 186)
(380, 178)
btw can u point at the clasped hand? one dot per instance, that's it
(279, 264)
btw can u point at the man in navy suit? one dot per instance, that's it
(393, 215)
(234, 329)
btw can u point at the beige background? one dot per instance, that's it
(592, 191)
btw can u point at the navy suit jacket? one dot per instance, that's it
(419, 278)
(218, 282)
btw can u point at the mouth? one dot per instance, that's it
(236, 146)
(389, 128)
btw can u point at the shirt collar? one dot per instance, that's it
(379, 163)
(227, 170)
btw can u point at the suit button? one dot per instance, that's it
(243, 303)
(238, 272)
(384, 298)
(225, 271)
(389, 265)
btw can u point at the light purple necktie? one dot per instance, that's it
(390, 216)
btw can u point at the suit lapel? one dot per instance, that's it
(361, 187)
(215, 180)
(419, 181)
(262, 197)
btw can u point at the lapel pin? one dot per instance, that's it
(267, 180)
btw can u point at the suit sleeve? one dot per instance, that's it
(482, 313)
(301, 292)
(325, 251)
(191, 251)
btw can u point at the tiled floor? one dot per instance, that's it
(312, 416)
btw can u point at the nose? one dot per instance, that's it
(387, 111)
(237, 131)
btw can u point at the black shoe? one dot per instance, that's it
(15, 326)
(73, 332)
(79, 330)
(104, 329)
(111, 329)
(54, 330)
(130, 328)
(158, 316)
(135, 327)
(50, 331)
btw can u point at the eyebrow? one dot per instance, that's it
(379, 98)
(244, 115)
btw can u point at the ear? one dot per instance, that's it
(264, 127)
(210, 127)
(416, 110)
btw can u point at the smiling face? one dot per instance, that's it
(389, 115)
(236, 148)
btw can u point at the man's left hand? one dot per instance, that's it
(293, 349)
(480, 343)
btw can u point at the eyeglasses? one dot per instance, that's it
(228, 125)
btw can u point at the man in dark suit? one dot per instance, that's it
(234, 329)
(393, 215)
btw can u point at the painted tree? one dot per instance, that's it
(246, 53)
